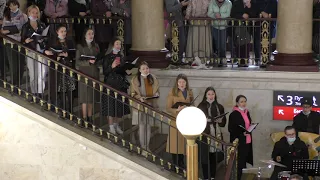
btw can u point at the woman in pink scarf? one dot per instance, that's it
(239, 118)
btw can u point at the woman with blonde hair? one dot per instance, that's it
(37, 68)
(145, 87)
(179, 93)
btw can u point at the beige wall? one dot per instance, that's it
(33, 148)
(257, 86)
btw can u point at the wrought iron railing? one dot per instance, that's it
(243, 41)
(257, 48)
(53, 85)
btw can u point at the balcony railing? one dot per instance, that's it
(53, 85)
(221, 41)
(215, 42)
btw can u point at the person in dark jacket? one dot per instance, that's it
(87, 95)
(208, 152)
(307, 120)
(238, 120)
(79, 8)
(286, 150)
(243, 9)
(62, 50)
(115, 74)
(37, 70)
(103, 32)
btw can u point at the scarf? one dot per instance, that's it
(142, 87)
(245, 117)
(213, 131)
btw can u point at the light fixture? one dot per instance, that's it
(191, 121)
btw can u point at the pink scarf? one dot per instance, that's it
(245, 117)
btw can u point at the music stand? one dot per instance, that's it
(306, 166)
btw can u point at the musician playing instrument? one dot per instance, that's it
(286, 150)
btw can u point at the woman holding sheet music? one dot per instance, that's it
(63, 51)
(86, 63)
(145, 87)
(13, 21)
(180, 93)
(37, 67)
(115, 72)
(210, 155)
(239, 123)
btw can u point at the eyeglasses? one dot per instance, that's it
(306, 107)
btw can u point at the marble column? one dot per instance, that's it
(294, 37)
(148, 32)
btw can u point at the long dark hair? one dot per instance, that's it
(111, 44)
(149, 77)
(64, 44)
(7, 11)
(84, 42)
(239, 97)
(205, 94)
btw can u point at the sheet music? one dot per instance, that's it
(85, 56)
(45, 31)
(56, 50)
(35, 34)
(135, 61)
(251, 127)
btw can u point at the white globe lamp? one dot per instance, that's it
(191, 122)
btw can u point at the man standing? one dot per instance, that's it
(307, 120)
(286, 150)
(175, 7)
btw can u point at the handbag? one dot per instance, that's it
(242, 36)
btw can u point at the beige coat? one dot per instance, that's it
(176, 142)
(135, 89)
(135, 92)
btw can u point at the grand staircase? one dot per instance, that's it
(99, 129)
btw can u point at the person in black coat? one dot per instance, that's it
(241, 117)
(243, 9)
(286, 150)
(208, 155)
(307, 120)
(114, 71)
(62, 50)
(37, 70)
(79, 8)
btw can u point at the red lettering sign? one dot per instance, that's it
(287, 113)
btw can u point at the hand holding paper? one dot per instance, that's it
(251, 127)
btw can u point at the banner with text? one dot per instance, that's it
(286, 104)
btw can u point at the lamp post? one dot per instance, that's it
(191, 122)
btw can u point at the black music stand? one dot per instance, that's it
(306, 166)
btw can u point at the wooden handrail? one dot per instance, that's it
(230, 165)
